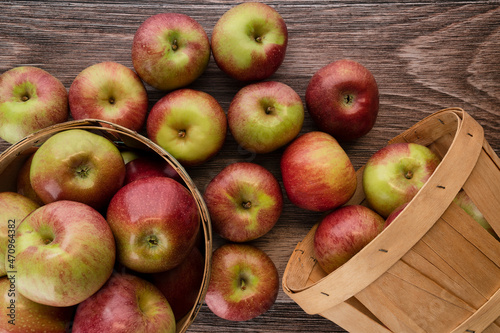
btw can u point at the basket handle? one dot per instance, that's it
(403, 233)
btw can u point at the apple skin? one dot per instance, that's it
(317, 173)
(343, 99)
(244, 201)
(109, 91)
(29, 316)
(181, 284)
(466, 203)
(30, 99)
(343, 233)
(126, 303)
(23, 183)
(395, 213)
(249, 41)
(265, 116)
(244, 282)
(145, 166)
(64, 253)
(155, 222)
(14, 207)
(189, 124)
(170, 50)
(77, 165)
(395, 173)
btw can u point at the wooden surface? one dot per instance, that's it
(426, 56)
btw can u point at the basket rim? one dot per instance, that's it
(33, 139)
(387, 248)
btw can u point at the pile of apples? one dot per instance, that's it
(109, 239)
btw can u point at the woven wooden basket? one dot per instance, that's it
(13, 158)
(434, 269)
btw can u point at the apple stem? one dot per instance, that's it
(174, 45)
(111, 100)
(25, 98)
(246, 204)
(243, 284)
(153, 241)
(182, 133)
(409, 174)
(269, 110)
(258, 39)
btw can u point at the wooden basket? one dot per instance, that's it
(434, 269)
(13, 158)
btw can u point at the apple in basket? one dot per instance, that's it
(149, 166)
(466, 203)
(30, 99)
(395, 173)
(126, 303)
(249, 41)
(244, 282)
(317, 173)
(343, 233)
(64, 252)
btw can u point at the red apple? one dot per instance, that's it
(23, 183)
(126, 303)
(64, 252)
(155, 222)
(265, 116)
(343, 100)
(181, 284)
(249, 41)
(170, 50)
(21, 315)
(77, 165)
(244, 282)
(343, 233)
(147, 166)
(189, 124)
(30, 99)
(317, 173)
(14, 207)
(395, 213)
(244, 201)
(394, 174)
(109, 91)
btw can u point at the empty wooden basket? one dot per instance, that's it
(434, 269)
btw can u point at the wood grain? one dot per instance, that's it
(425, 55)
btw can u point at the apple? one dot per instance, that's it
(466, 203)
(30, 99)
(14, 207)
(64, 252)
(23, 183)
(155, 222)
(148, 166)
(77, 165)
(244, 201)
(109, 91)
(189, 124)
(129, 155)
(317, 173)
(22, 315)
(343, 233)
(343, 100)
(265, 116)
(170, 50)
(243, 284)
(126, 303)
(395, 213)
(395, 173)
(249, 41)
(181, 284)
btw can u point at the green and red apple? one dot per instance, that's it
(244, 201)
(126, 303)
(109, 91)
(265, 116)
(189, 124)
(244, 282)
(343, 233)
(395, 173)
(30, 99)
(77, 165)
(249, 41)
(170, 50)
(149, 166)
(317, 173)
(155, 222)
(23, 182)
(343, 100)
(14, 207)
(466, 203)
(64, 252)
